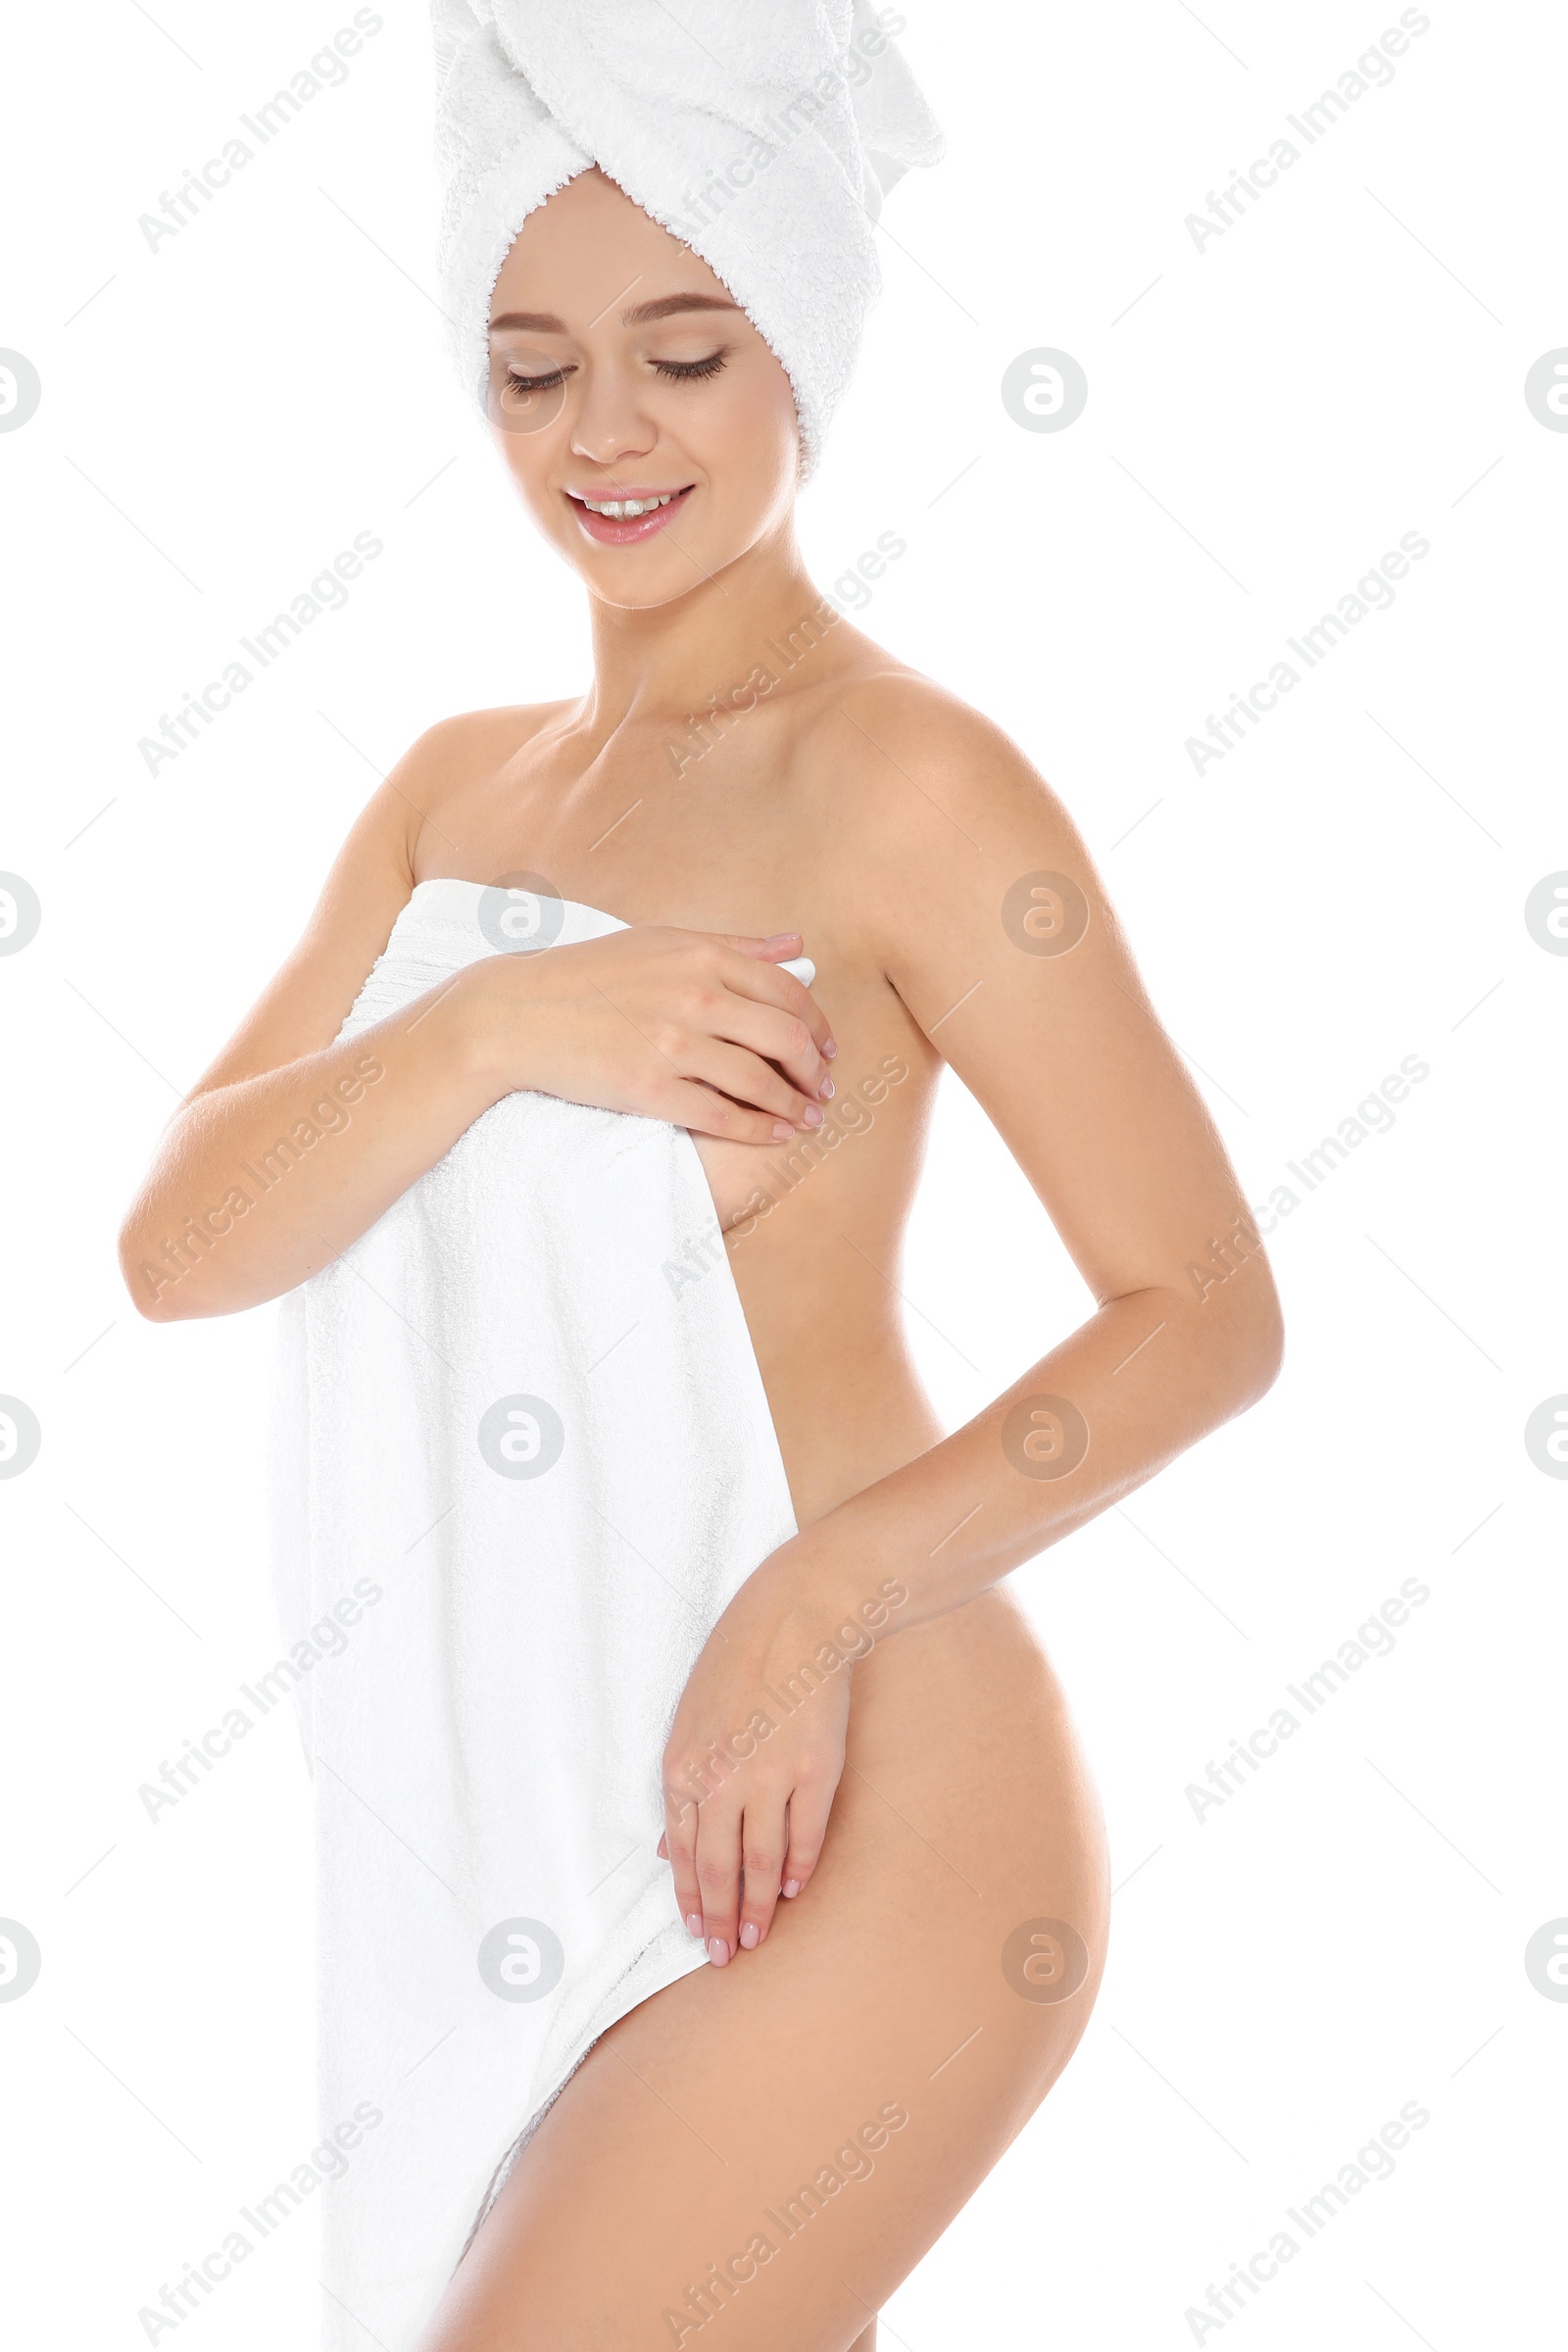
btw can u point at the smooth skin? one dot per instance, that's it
(748, 778)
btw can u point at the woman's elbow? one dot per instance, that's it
(151, 1282)
(154, 1268)
(1253, 1334)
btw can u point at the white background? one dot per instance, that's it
(1266, 417)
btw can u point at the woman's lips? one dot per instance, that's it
(613, 530)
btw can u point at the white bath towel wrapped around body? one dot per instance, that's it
(522, 1437)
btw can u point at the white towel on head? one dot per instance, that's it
(763, 133)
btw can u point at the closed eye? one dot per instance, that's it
(535, 383)
(685, 371)
(676, 372)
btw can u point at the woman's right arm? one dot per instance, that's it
(293, 1144)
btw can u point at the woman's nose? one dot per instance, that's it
(612, 425)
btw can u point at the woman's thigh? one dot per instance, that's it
(774, 2144)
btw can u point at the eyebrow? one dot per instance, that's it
(643, 314)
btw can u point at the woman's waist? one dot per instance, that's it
(847, 1410)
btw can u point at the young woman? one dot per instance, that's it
(877, 1829)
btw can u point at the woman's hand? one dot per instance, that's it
(756, 1754)
(696, 1028)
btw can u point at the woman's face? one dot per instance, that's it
(620, 368)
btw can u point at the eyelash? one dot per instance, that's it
(686, 371)
(679, 371)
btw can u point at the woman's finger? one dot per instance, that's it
(777, 1036)
(762, 1835)
(687, 1102)
(810, 1803)
(747, 1078)
(764, 982)
(719, 1874)
(779, 947)
(680, 1842)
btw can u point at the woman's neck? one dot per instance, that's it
(661, 664)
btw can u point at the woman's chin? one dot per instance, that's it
(638, 579)
(635, 591)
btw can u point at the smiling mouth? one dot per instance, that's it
(629, 517)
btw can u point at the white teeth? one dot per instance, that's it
(626, 510)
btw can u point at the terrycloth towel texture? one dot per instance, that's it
(763, 133)
(522, 1433)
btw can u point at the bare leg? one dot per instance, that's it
(777, 2142)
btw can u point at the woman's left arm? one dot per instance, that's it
(998, 938)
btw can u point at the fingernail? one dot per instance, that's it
(776, 939)
(751, 1936)
(811, 1117)
(782, 1130)
(662, 1850)
(694, 1925)
(830, 1050)
(827, 1089)
(718, 1952)
(792, 1887)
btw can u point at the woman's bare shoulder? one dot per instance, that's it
(484, 737)
(473, 744)
(928, 775)
(441, 774)
(371, 880)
